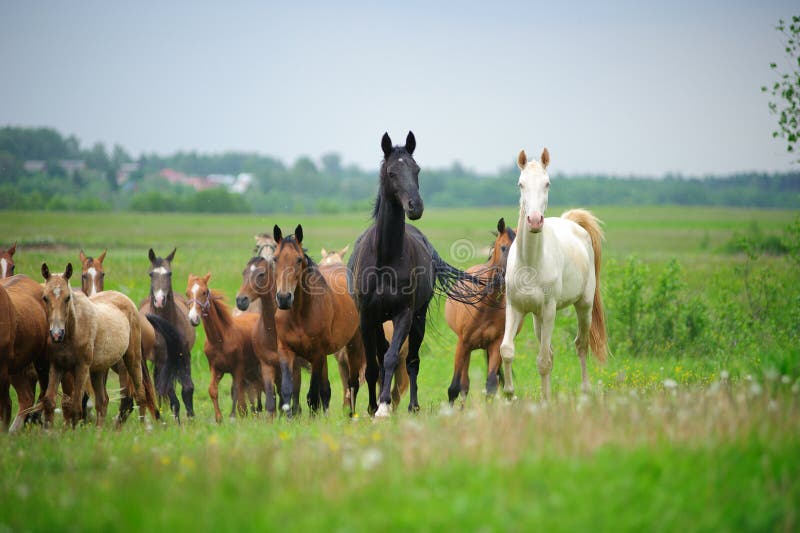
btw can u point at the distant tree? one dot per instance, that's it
(332, 164)
(786, 91)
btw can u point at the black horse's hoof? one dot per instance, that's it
(413, 409)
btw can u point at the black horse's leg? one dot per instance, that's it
(402, 326)
(368, 333)
(313, 396)
(187, 385)
(415, 337)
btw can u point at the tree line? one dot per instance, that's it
(42, 169)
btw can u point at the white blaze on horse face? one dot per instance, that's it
(3, 267)
(534, 189)
(93, 274)
(160, 270)
(194, 317)
(160, 296)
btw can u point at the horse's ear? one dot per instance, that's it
(386, 145)
(298, 234)
(277, 234)
(411, 142)
(68, 271)
(343, 251)
(545, 158)
(102, 256)
(171, 255)
(12, 249)
(82, 256)
(45, 271)
(501, 226)
(522, 159)
(206, 278)
(323, 252)
(151, 255)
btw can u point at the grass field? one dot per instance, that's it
(693, 427)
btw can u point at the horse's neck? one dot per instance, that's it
(213, 323)
(79, 313)
(391, 228)
(530, 245)
(312, 289)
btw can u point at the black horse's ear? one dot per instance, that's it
(411, 143)
(298, 233)
(501, 226)
(277, 234)
(386, 145)
(171, 255)
(68, 271)
(151, 255)
(45, 271)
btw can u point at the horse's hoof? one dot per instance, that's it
(383, 411)
(413, 409)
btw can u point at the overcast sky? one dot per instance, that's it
(617, 87)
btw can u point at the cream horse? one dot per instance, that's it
(553, 263)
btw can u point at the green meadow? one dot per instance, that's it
(693, 423)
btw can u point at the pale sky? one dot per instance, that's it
(617, 87)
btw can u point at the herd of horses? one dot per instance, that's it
(291, 313)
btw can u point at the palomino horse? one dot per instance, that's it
(401, 376)
(258, 286)
(481, 325)
(395, 272)
(89, 335)
(315, 317)
(228, 346)
(23, 342)
(553, 263)
(93, 273)
(7, 261)
(163, 303)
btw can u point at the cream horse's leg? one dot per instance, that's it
(513, 320)
(544, 361)
(584, 313)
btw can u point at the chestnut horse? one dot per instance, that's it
(480, 326)
(228, 346)
(163, 303)
(89, 335)
(265, 247)
(7, 261)
(258, 287)
(400, 385)
(23, 343)
(93, 273)
(316, 316)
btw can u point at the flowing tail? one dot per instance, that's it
(149, 392)
(166, 377)
(451, 281)
(598, 341)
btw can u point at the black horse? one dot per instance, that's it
(395, 273)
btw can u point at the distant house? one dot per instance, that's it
(242, 183)
(71, 166)
(125, 171)
(176, 176)
(33, 166)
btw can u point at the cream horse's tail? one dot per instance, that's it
(597, 333)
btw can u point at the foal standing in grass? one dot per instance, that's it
(553, 263)
(481, 325)
(229, 345)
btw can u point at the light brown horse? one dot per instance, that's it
(228, 346)
(316, 316)
(265, 247)
(89, 335)
(480, 326)
(400, 383)
(258, 286)
(23, 343)
(93, 274)
(7, 261)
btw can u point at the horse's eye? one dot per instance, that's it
(503, 248)
(299, 260)
(84, 276)
(547, 185)
(519, 185)
(150, 274)
(45, 299)
(67, 298)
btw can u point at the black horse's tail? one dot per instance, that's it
(462, 286)
(165, 377)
